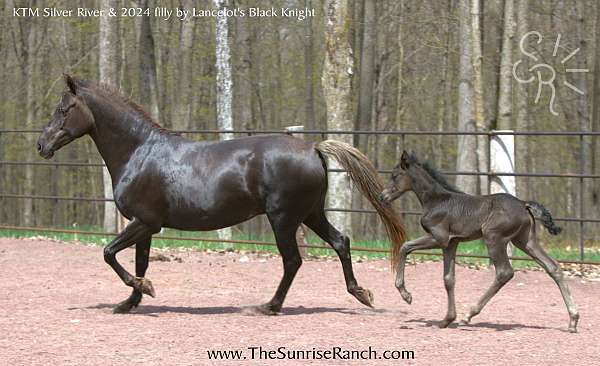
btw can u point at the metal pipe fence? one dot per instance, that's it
(580, 219)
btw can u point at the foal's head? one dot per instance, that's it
(71, 120)
(401, 180)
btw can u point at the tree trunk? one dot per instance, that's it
(244, 80)
(182, 111)
(479, 109)
(336, 80)
(467, 145)
(585, 160)
(367, 73)
(368, 31)
(309, 103)
(108, 52)
(596, 110)
(224, 85)
(522, 105)
(29, 77)
(505, 88)
(148, 81)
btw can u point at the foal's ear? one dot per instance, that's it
(70, 83)
(404, 160)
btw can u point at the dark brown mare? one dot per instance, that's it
(450, 217)
(161, 179)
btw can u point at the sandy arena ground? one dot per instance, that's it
(56, 301)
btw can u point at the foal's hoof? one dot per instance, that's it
(124, 307)
(445, 323)
(364, 296)
(406, 296)
(144, 285)
(464, 322)
(264, 309)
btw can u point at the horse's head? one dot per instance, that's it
(71, 120)
(401, 181)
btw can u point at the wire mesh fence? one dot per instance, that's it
(577, 174)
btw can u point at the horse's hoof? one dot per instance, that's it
(123, 307)
(572, 330)
(264, 309)
(445, 323)
(406, 296)
(364, 295)
(144, 286)
(464, 322)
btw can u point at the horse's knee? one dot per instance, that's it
(504, 275)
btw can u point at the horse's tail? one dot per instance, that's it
(364, 175)
(541, 213)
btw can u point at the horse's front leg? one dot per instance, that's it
(424, 242)
(142, 254)
(135, 232)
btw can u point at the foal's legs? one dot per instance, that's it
(318, 223)
(504, 272)
(449, 280)
(142, 252)
(533, 249)
(424, 242)
(135, 232)
(285, 236)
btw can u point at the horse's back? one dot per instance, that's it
(204, 186)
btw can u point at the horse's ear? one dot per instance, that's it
(70, 83)
(404, 160)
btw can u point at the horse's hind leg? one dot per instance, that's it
(449, 281)
(533, 249)
(318, 223)
(504, 272)
(284, 229)
(142, 253)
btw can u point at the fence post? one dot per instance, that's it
(301, 233)
(502, 160)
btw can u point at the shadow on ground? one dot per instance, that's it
(474, 326)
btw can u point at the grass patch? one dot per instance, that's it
(176, 240)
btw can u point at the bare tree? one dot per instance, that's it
(224, 85)
(596, 109)
(467, 145)
(366, 72)
(583, 112)
(309, 106)
(505, 88)
(148, 80)
(522, 105)
(479, 110)
(336, 80)
(108, 55)
(182, 111)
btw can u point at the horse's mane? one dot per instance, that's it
(113, 94)
(434, 173)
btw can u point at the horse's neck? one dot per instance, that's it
(117, 134)
(427, 189)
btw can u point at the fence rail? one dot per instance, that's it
(323, 133)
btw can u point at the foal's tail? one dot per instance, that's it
(365, 176)
(541, 213)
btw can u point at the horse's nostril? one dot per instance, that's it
(39, 146)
